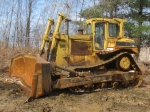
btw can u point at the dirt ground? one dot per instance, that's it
(12, 98)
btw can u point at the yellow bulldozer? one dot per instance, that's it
(98, 57)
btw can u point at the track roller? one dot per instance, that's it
(137, 81)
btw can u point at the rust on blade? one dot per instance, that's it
(32, 73)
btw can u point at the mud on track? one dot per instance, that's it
(12, 98)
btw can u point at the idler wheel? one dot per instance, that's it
(123, 63)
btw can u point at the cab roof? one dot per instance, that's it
(113, 20)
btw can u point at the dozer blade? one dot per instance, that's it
(32, 73)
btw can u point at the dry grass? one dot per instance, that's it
(7, 53)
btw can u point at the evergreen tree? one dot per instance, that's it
(135, 11)
(138, 19)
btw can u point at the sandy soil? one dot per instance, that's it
(12, 98)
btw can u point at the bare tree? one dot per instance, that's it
(28, 14)
(22, 19)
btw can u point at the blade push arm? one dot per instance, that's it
(61, 18)
(45, 36)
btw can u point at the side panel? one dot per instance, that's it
(62, 51)
(81, 48)
(86, 60)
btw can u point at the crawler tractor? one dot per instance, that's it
(98, 57)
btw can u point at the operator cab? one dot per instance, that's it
(107, 33)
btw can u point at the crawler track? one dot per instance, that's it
(135, 80)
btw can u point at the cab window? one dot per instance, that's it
(99, 35)
(88, 29)
(113, 30)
